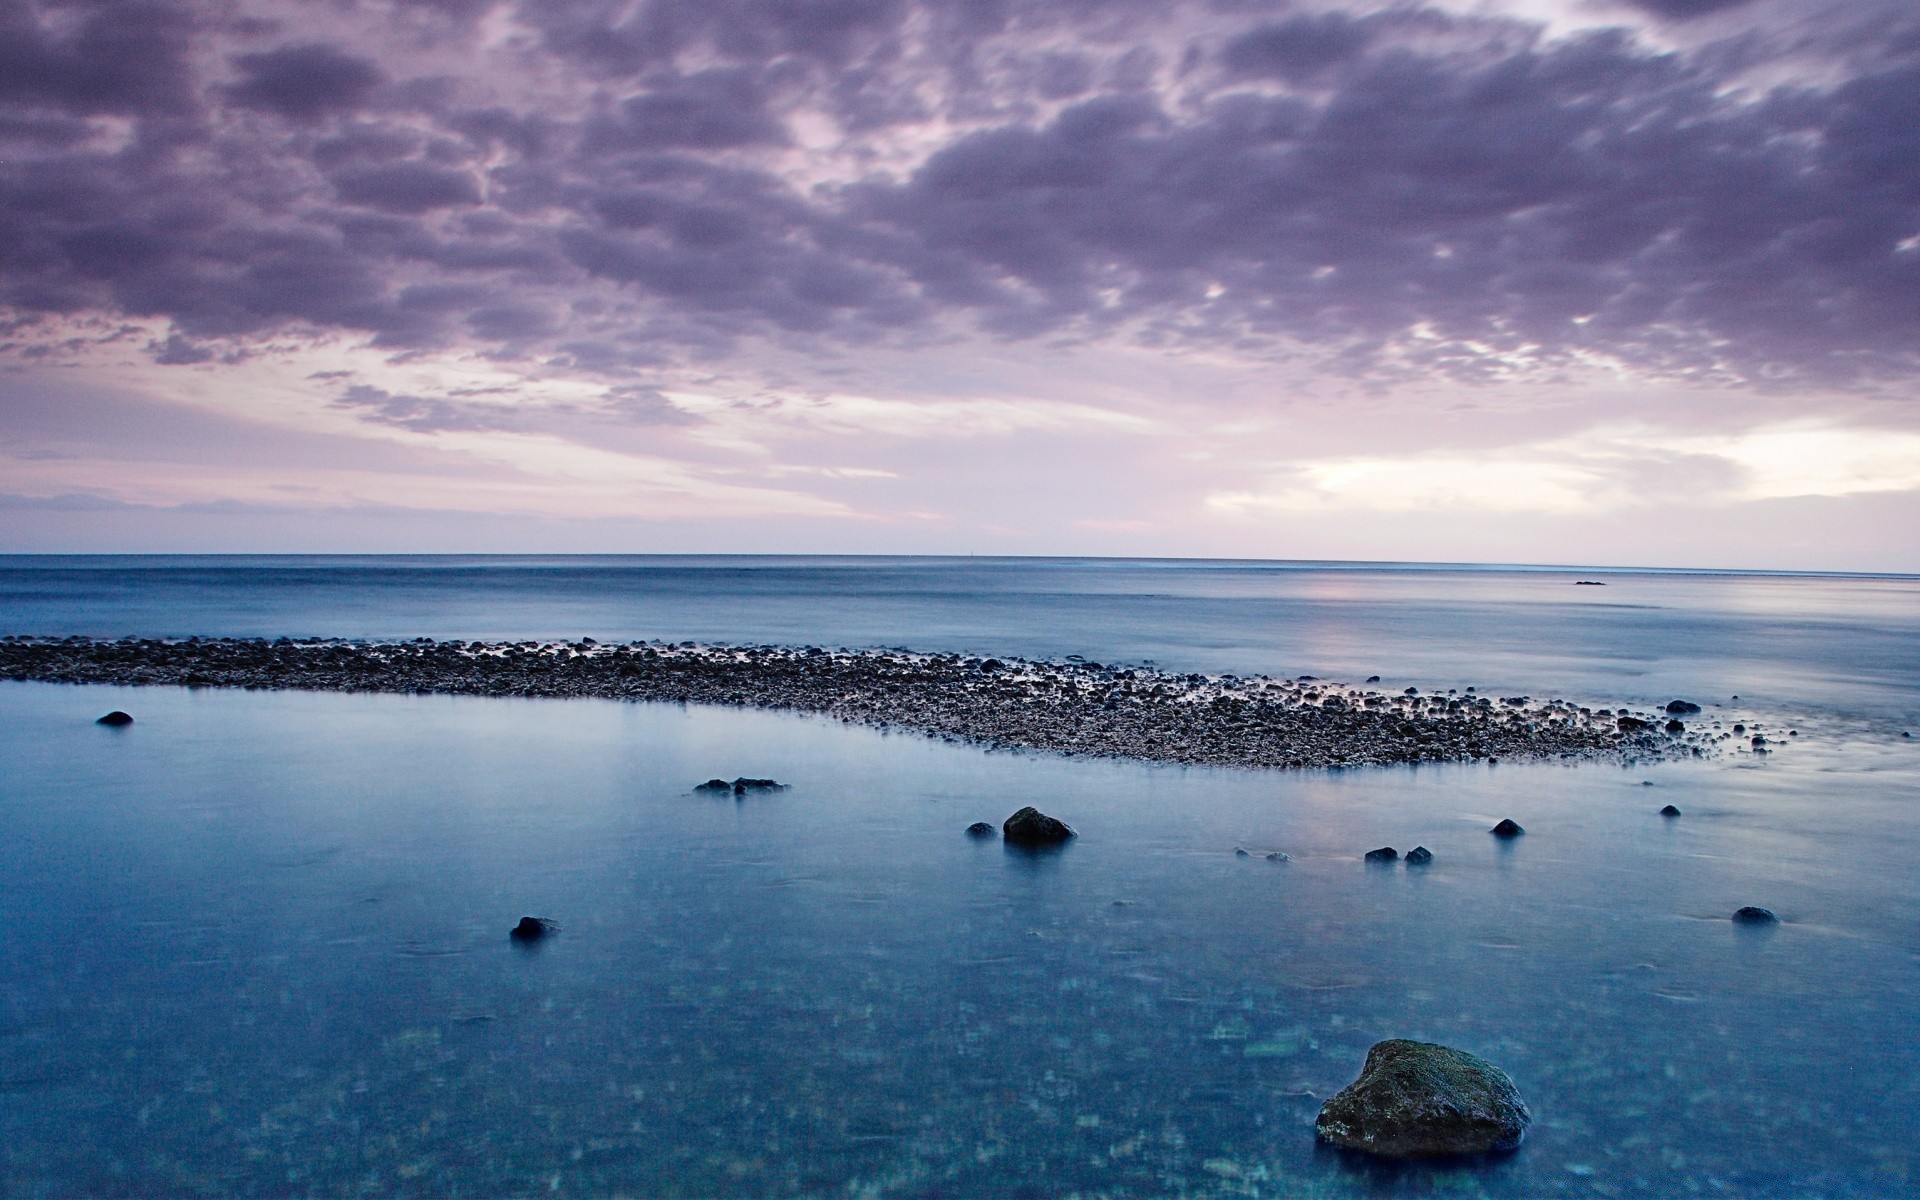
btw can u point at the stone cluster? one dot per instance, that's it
(1065, 707)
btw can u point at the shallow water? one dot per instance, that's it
(257, 941)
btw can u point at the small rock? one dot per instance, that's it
(1031, 827)
(1277, 856)
(980, 829)
(1630, 724)
(1676, 726)
(1739, 728)
(1669, 811)
(1755, 915)
(1419, 856)
(715, 786)
(1682, 706)
(1240, 852)
(532, 929)
(1508, 828)
(116, 717)
(1419, 1100)
(1384, 854)
(1373, 679)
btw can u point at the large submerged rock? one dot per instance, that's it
(1031, 827)
(1419, 1100)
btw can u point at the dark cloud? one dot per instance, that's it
(1394, 185)
(407, 187)
(1684, 10)
(303, 82)
(98, 57)
(1297, 48)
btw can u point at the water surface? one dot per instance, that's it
(257, 941)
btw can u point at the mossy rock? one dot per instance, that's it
(1419, 1100)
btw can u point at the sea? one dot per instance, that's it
(256, 943)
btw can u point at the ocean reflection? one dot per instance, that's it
(258, 943)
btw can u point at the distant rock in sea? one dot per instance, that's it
(1753, 914)
(1682, 706)
(1508, 828)
(1031, 827)
(1384, 854)
(1669, 811)
(116, 717)
(1420, 1100)
(980, 829)
(1419, 856)
(739, 787)
(532, 929)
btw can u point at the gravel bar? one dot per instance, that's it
(1061, 707)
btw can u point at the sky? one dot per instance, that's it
(1628, 282)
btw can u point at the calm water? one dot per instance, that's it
(257, 942)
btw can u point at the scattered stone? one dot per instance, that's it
(1384, 854)
(116, 717)
(1240, 852)
(1277, 856)
(1630, 724)
(532, 929)
(1669, 811)
(1739, 728)
(716, 787)
(1031, 827)
(1682, 706)
(1419, 856)
(980, 829)
(1419, 1100)
(1753, 914)
(742, 786)
(1676, 726)
(1508, 828)
(1373, 679)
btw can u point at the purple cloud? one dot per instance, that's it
(1400, 186)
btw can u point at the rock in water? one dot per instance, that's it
(744, 785)
(1031, 827)
(1419, 1100)
(1755, 915)
(1508, 828)
(1419, 856)
(1669, 811)
(532, 929)
(1384, 854)
(979, 829)
(1682, 706)
(717, 787)
(116, 717)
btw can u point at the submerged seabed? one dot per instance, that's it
(258, 946)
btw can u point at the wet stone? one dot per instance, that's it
(116, 717)
(1753, 914)
(1419, 856)
(980, 829)
(1031, 827)
(1420, 1100)
(532, 929)
(1669, 811)
(1384, 854)
(1508, 828)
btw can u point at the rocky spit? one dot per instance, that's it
(1063, 707)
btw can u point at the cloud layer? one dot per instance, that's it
(1399, 184)
(630, 196)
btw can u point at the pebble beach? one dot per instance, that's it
(1059, 707)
